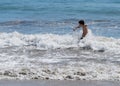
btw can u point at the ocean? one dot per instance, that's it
(37, 40)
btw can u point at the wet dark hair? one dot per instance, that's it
(81, 22)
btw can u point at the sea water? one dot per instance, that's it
(37, 40)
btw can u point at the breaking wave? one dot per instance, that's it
(53, 41)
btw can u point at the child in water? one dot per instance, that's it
(84, 28)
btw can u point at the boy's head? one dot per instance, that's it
(81, 22)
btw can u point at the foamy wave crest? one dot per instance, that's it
(52, 41)
(29, 61)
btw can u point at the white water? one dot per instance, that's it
(53, 41)
(54, 56)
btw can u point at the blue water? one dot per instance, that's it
(60, 16)
(30, 48)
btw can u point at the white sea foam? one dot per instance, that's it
(52, 41)
(51, 56)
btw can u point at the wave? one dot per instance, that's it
(37, 23)
(53, 41)
(68, 62)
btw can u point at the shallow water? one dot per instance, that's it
(37, 41)
(48, 56)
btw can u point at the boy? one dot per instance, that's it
(84, 28)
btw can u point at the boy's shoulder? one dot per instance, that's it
(85, 26)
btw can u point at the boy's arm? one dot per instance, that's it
(83, 35)
(76, 28)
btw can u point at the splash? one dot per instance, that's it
(53, 41)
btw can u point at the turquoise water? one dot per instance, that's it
(58, 9)
(59, 16)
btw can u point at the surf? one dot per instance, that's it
(54, 41)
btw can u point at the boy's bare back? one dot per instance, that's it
(85, 30)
